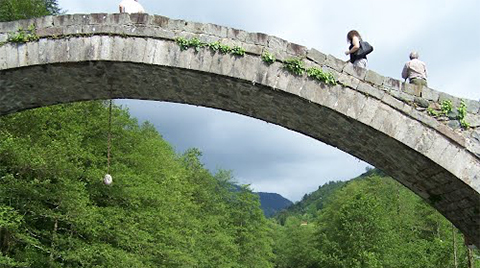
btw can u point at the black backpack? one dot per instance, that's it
(364, 50)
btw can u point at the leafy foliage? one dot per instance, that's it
(462, 113)
(268, 58)
(371, 221)
(24, 9)
(320, 75)
(447, 106)
(162, 210)
(23, 36)
(295, 66)
(214, 46)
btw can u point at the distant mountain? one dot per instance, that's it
(272, 203)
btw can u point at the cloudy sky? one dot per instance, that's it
(270, 158)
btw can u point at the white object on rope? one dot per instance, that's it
(107, 179)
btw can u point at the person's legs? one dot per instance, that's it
(418, 82)
(361, 63)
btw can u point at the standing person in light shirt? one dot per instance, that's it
(130, 6)
(415, 70)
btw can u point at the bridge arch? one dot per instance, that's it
(374, 118)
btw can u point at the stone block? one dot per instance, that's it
(345, 100)
(348, 80)
(368, 111)
(253, 49)
(473, 120)
(357, 105)
(335, 63)
(296, 50)
(444, 96)
(426, 141)
(22, 54)
(473, 106)
(273, 71)
(430, 94)
(3, 55)
(316, 56)
(43, 22)
(98, 18)
(424, 118)
(60, 47)
(160, 21)
(295, 84)
(421, 102)
(393, 102)
(391, 83)
(370, 90)
(277, 44)
(412, 89)
(32, 53)
(162, 49)
(374, 78)
(309, 90)
(194, 27)
(257, 39)
(415, 133)
(236, 34)
(355, 71)
(179, 26)
(449, 133)
(407, 98)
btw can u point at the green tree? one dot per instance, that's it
(25, 9)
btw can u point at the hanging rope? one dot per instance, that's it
(108, 178)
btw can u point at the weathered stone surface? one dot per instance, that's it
(430, 94)
(355, 71)
(392, 83)
(421, 102)
(473, 120)
(335, 63)
(135, 56)
(402, 96)
(316, 56)
(444, 97)
(412, 89)
(374, 78)
(370, 90)
(472, 106)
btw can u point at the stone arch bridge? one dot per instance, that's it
(377, 119)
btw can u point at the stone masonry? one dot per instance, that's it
(377, 119)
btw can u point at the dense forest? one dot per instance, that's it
(166, 209)
(370, 221)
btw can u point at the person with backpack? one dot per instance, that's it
(415, 70)
(358, 49)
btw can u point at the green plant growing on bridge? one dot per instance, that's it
(447, 106)
(215, 46)
(237, 50)
(225, 49)
(295, 66)
(432, 112)
(23, 36)
(320, 75)
(462, 113)
(268, 58)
